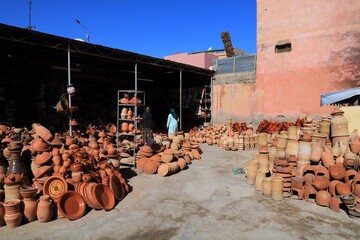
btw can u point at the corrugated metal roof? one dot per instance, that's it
(338, 96)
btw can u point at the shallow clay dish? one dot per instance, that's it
(71, 205)
(42, 158)
(116, 188)
(55, 186)
(104, 196)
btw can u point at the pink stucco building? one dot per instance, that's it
(199, 59)
(304, 49)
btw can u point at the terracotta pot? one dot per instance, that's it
(13, 220)
(12, 206)
(42, 131)
(129, 114)
(327, 158)
(258, 180)
(335, 204)
(124, 127)
(323, 198)
(281, 142)
(337, 171)
(262, 139)
(266, 187)
(277, 188)
(343, 188)
(339, 124)
(28, 192)
(263, 163)
(355, 144)
(150, 167)
(30, 209)
(350, 175)
(44, 211)
(316, 153)
(12, 192)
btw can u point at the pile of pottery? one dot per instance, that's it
(318, 162)
(168, 157)
(231, 137)
(277, 126)
(58, 175)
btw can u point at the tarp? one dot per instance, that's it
(335, 97)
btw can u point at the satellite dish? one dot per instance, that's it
(79, 39)
(210, 48)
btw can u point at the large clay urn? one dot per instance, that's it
(339, 124)
(292, 147)
(45, 209)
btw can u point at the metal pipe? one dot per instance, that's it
(135, 108)
(180, 100)
(69, 83)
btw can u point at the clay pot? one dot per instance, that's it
(44, 211)
(262, 139)
(266, 187)
(12, 192)
(150, 167)
(124, 127)
(339, 124)
(337, 171)
(327, 158)
(13, 220)
(258, 180)
(355, 145)
(12, 206)
(335, 204)
(332, 187)
(30, 209)
(129, 114)
(348, 199)
(292, 147)
(323, 198)
(336, 150)
(316, 153)
(42, 131)
(343, 188)
(28, 192)
(277, 188)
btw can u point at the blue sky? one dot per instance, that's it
(156, 28)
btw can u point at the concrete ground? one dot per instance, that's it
(206, 201)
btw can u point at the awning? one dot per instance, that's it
(342, 96)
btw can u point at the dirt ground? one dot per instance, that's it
(206, 201)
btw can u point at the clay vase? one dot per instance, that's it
(13, 220)
(327, 158)
(45, 210)
(129, 114)
(323, 198)
(337, 171)
(30, 209)
(316, 153)
(339, 124)
(124, 127)
(355, 145)
(2, 214)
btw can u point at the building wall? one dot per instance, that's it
(325, 56)
(203, 60)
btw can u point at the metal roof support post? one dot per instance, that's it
(211, 99)
(180, 100)
(136, 81)
(69, 84)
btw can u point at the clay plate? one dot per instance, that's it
(55, 186)
(71, 205)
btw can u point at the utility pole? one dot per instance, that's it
(30, 27)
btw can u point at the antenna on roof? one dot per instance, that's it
(30, 27)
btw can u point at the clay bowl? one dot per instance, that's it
(104, 196)
(76, 167)
(71, 205)
(28, 191)
(42, 158)
(116, 187)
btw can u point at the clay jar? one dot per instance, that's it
(129, 114)
(322, 178)
(30, 209)
(323, 198)
(316, 153)
(124, 127)
(355, 144)
(327, 158)
(45, 209)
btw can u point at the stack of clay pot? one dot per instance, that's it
(13, 215)
(170, 156)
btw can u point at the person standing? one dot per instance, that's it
(172, 122)
(146, 126)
